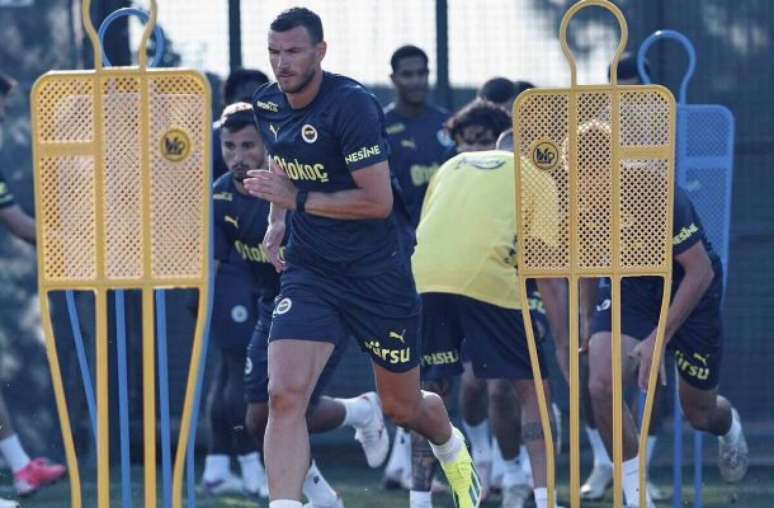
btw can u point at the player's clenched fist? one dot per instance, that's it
(273, 187)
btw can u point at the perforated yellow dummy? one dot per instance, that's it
(610, 152)
(122, 183)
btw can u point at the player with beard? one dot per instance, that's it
(345, 272)
(240, 223)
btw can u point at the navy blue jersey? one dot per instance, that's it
(6, 198)
(688, 231)
(418, 147)
(319, 147)
(240, 224)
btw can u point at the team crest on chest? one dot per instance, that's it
(309, 133)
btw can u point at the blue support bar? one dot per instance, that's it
(163, 371)
(123, 400)
(83, 363)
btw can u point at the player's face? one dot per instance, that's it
(411, 79)
(294, 59)
(242, 150)
(475, 138)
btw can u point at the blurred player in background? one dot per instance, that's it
(464, 265)
(345, 272)
(240, 224)
(29, 475)
(239, 87)
(419, 144)
(694, 335)
(233, 319)
(601, 477)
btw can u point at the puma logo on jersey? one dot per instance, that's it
(398, 336)
(232, 220)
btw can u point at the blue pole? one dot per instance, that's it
(163, 370)
(123, 401)
(83, 363)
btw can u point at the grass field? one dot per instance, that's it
(360, 487)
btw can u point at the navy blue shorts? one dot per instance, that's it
(698, 344)
(382, 312)
(257, 363)
(233, 308)
(493, 338)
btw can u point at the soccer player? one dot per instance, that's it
(239, 87)
(29, 474)
(601, 476)
(240, 224)
(344, 272)
(464, 265)
(694, 336)
(419, 144)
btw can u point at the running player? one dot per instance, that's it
(29, 475)
(464, 265)
(693, 335)
(233, 319)
(601, 476)
(240, 223)
(418, 145)
(345, 272)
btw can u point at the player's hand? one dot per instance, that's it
(272, 244)
(644, 352)
(274, 187)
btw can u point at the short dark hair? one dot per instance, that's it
(627, 67)
(406, 51)
(299, 16)
(481, 112)
(237, 116)
(7, 83)
(237, 78)
(497, 90)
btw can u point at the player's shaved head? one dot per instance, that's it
(407, 51)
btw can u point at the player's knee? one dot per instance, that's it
(255, 419)
(699, 416)
(400, 410)
(600, 387)
(287, 399)
(501, 395)
(441, 387)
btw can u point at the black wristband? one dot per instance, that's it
(301, 200)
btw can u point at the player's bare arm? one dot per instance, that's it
(698, 277)
(18, 223)
(371, 199)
